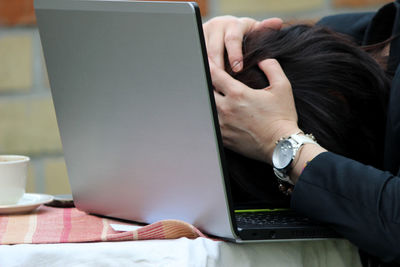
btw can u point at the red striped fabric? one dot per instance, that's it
(68, 225)
(3, 226)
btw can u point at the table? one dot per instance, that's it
(182, 252)
(59, 237)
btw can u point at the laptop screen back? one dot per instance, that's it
(131, 89)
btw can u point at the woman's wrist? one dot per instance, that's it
(307, 153)
(284, 131)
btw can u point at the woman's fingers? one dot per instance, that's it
(233, 44)
(214, 43)
(235, 33)
(271, 23)
(274, 72)
(227, 32)
(222, 81)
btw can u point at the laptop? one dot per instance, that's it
(135, 108)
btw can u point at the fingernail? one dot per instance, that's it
(237, 66)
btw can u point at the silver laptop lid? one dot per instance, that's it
(134, 109)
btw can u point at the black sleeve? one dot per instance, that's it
(358, 201)
(366, 28)
(353, 24)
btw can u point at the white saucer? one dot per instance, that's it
(29, 202)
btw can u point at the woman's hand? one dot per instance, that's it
(251, 120)
(227, 32)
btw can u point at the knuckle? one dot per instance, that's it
(227, 18)
(224, 111)
(272, 61)
(284, 83)
(237, 94)
(232, 36)
(281, 84)
(212, 21)
(212, 51)
(217, 21)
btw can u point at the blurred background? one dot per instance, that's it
(28, 124)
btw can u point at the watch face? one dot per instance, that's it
(283, 154)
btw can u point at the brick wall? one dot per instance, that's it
(27, 119)
(28, 123)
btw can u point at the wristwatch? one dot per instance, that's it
(285, 152)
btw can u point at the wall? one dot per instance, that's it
(291, 9)
(27, 119)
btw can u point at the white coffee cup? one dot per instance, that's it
(13, 172)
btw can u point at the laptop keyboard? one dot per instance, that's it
(271, 218)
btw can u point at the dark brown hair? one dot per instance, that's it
(340, 94)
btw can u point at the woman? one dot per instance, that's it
(338, 89)
(361, 202)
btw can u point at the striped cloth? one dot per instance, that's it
(68, 225)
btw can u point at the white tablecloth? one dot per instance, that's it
(183, 252)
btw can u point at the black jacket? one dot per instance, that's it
(360, 202)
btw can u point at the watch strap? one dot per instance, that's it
(302, 139)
